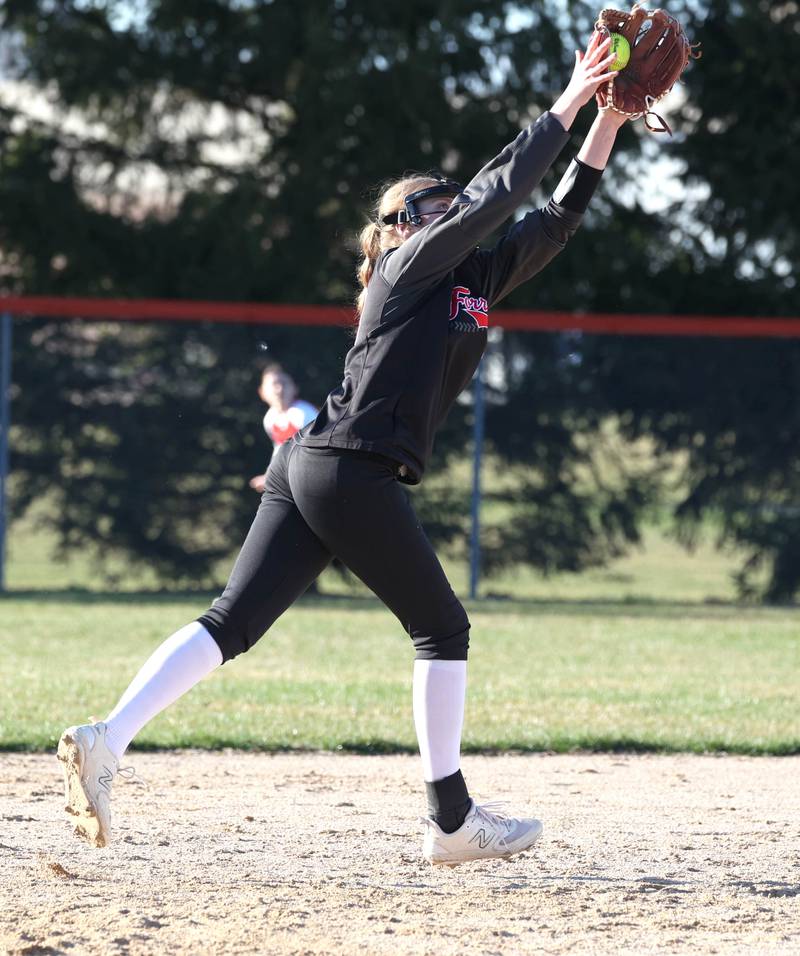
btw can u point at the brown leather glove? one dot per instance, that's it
(660, 52)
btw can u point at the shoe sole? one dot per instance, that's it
(78, 804)
(477, 859)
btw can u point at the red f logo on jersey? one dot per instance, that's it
(471, 310)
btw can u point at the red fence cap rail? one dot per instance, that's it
(188, 310)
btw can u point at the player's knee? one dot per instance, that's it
(233, 637)
(447, 641)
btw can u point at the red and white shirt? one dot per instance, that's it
(281, 425)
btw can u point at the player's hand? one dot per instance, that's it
(258, 483)
(592, 68)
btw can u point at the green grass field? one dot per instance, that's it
(651, 653)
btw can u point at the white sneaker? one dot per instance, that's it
(89, 769)
(483, 835)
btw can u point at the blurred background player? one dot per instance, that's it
(286, 415)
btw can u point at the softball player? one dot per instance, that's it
(335, 488)
(286, 414)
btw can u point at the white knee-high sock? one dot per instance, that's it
(439, 688)
(173, 668)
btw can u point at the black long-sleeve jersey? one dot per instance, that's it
(424, 323)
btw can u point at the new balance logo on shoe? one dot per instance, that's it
(483, 839)
(484, 835)
(89, 771)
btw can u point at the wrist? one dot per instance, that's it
(611, 119)
(565, 109)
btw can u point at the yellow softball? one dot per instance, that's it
(622, 50)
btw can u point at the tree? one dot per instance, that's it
(730, 245)
(146, 429)
(228, 150)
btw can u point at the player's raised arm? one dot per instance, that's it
(534, 241)
(432, 248)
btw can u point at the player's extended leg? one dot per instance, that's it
(373, 529)
(281, 556)
(90, 753)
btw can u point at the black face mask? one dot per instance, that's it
(411, 214)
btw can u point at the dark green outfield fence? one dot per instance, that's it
(150, 310)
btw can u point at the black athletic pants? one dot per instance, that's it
(321, 503)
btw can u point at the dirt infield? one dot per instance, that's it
(319, 854)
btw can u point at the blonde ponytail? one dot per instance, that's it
(377, 236)
(370, 241)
